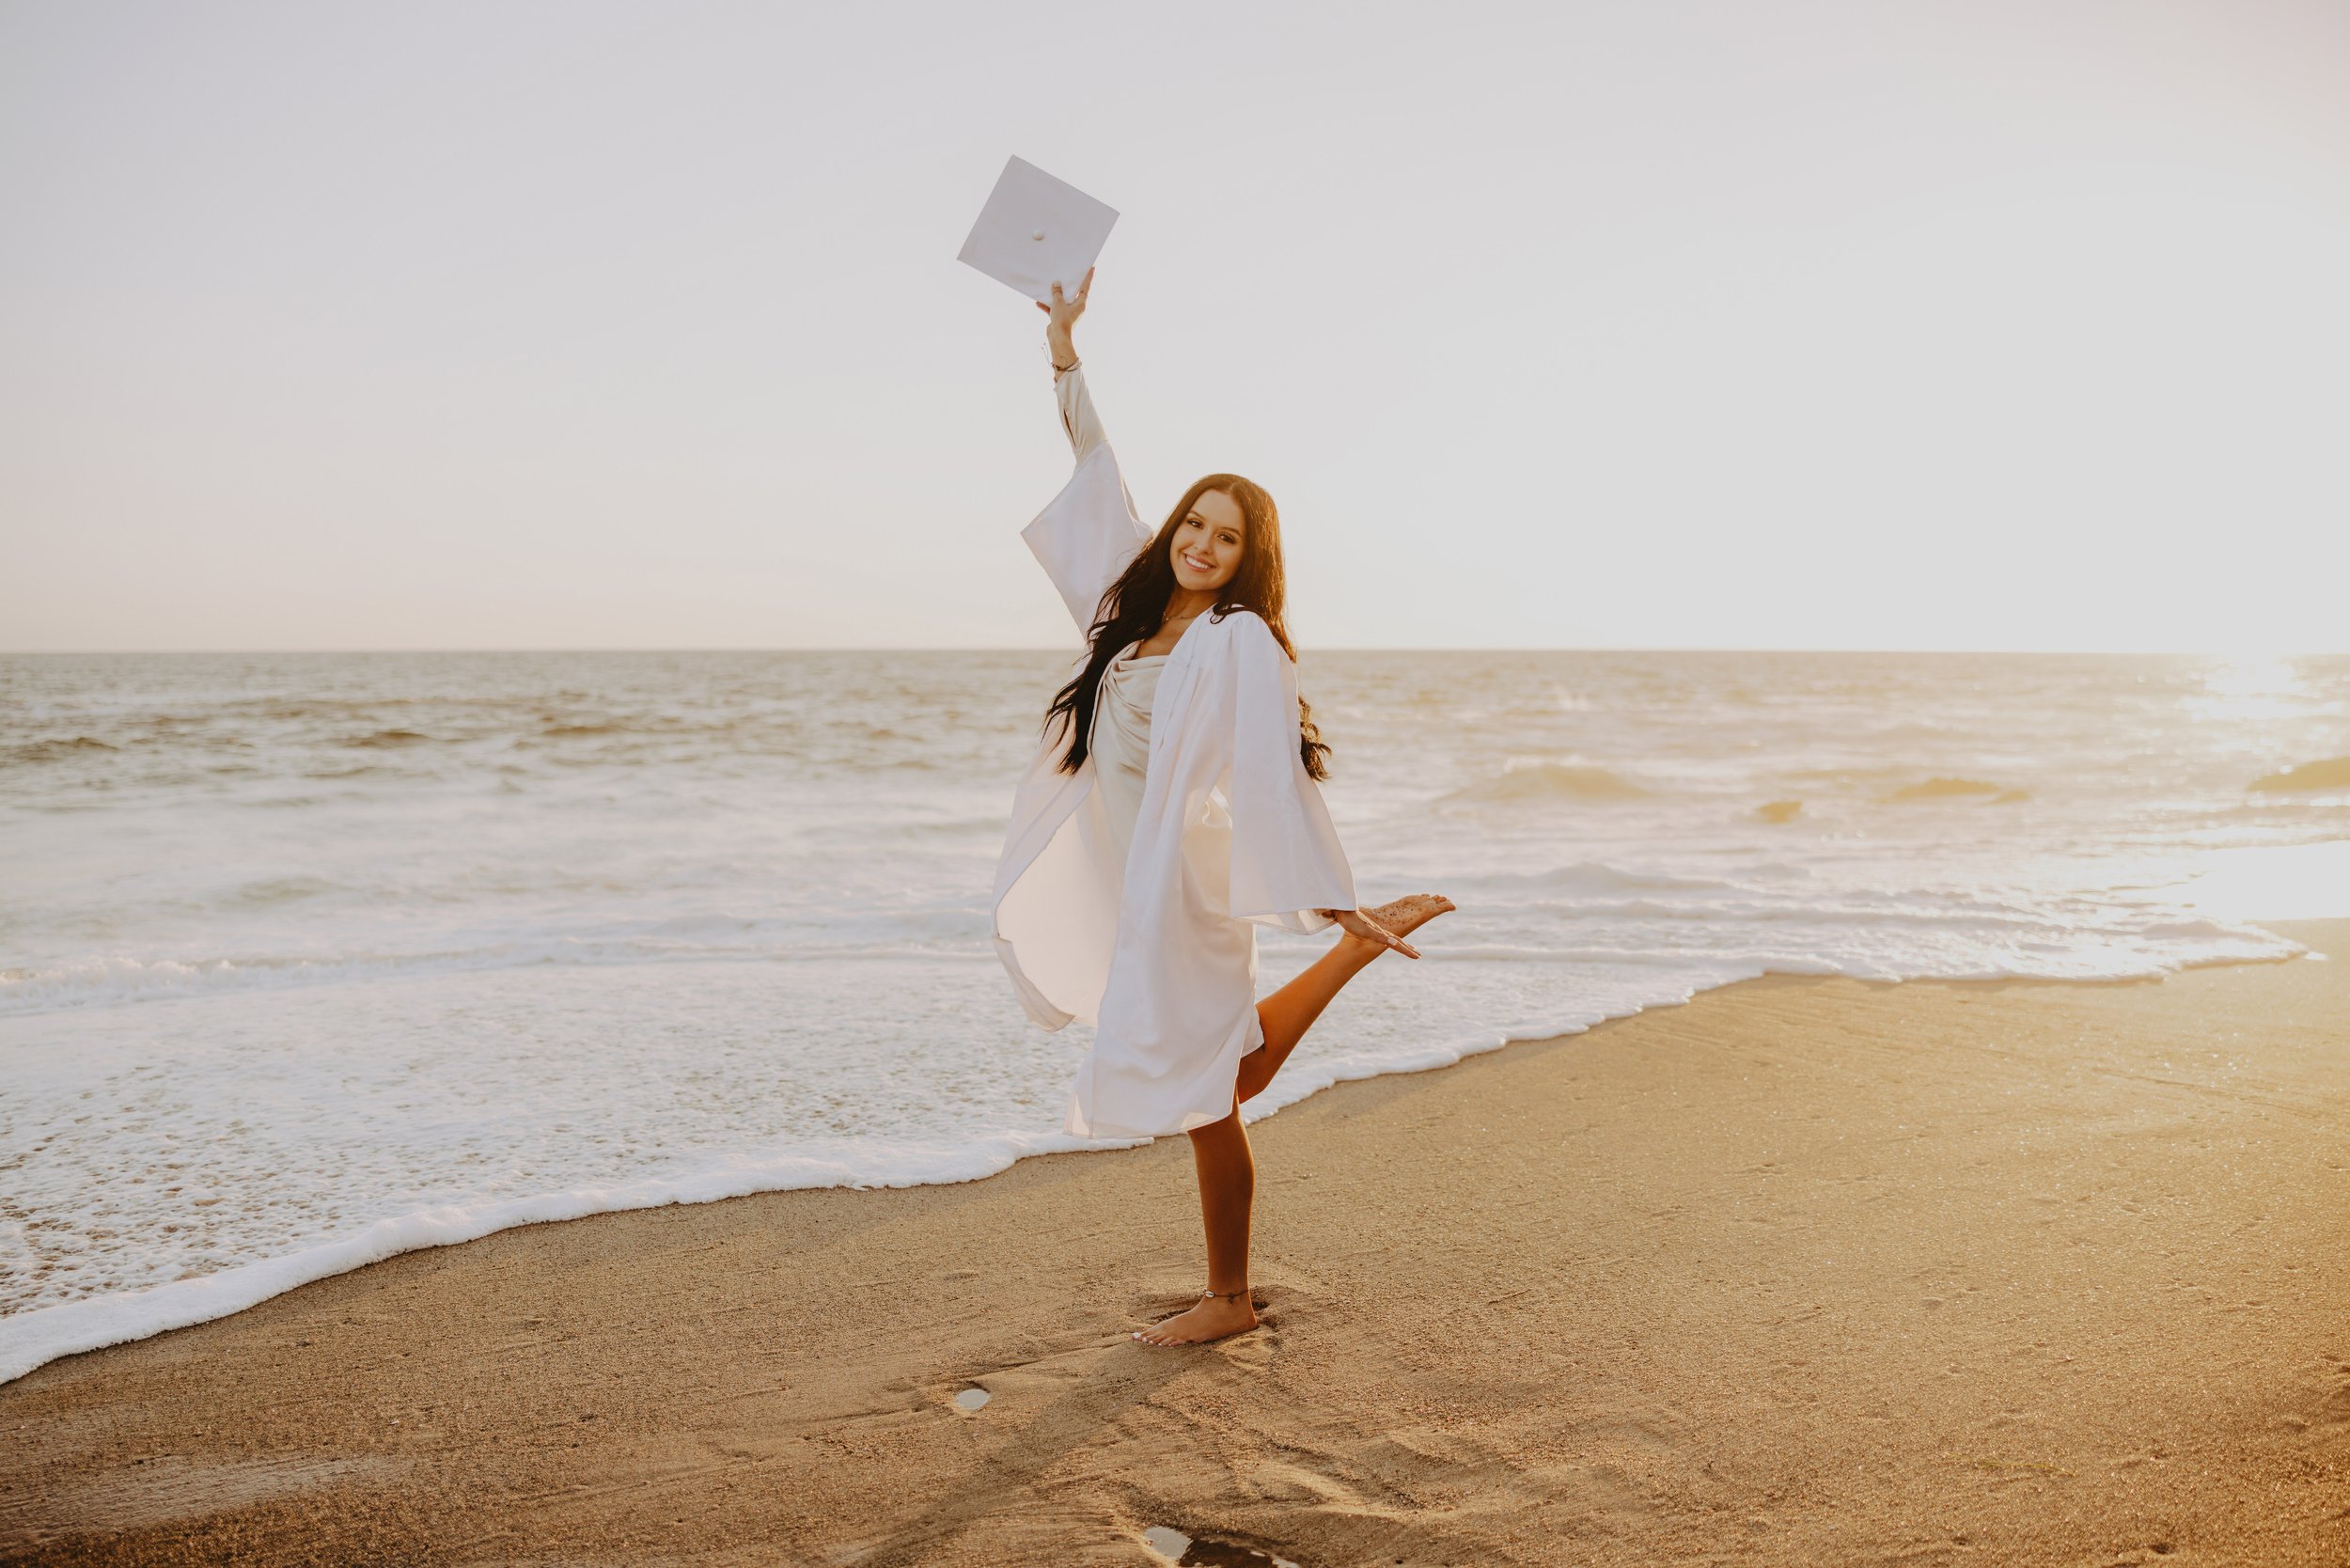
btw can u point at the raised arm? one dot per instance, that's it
(1090, 533)
(1083, 426)
(1077, 409)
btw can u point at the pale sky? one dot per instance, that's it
(1744, 324)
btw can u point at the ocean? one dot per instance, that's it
(309, 959)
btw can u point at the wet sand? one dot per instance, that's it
(1806, 1272)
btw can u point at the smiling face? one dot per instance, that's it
(1207, 546)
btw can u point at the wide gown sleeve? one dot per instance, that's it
(1287, 860)
(1090, 533)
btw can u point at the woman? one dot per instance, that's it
(1170, 810)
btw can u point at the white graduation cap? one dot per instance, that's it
(1036, 232)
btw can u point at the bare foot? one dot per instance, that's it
(1408, 913)
(1212, 1319)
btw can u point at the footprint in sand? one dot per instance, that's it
(1201, 1552)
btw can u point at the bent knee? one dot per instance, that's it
(1222, 1127)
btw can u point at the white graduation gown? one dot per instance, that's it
(1159, 952)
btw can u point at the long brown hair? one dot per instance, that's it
(1132, 606)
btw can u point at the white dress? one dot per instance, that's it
(1121, 740)
(1131, 897)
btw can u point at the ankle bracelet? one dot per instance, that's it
(1226, 1296)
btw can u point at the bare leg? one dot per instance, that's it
(1289, 1012)
(1219, 1150)
(1227, 1189)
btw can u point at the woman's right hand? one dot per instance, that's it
(1063, 313)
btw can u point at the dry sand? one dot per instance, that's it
(1808, 1272)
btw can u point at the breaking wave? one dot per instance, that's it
(2331, 773)
(1536, 781)
(1957, 789)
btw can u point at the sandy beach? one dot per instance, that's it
(1807, 1271)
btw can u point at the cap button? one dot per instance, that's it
(1038, 235)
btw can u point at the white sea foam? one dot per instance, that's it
(305, 962)
(114, 978)
(33, 1338)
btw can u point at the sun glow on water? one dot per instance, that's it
(2253, 686)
